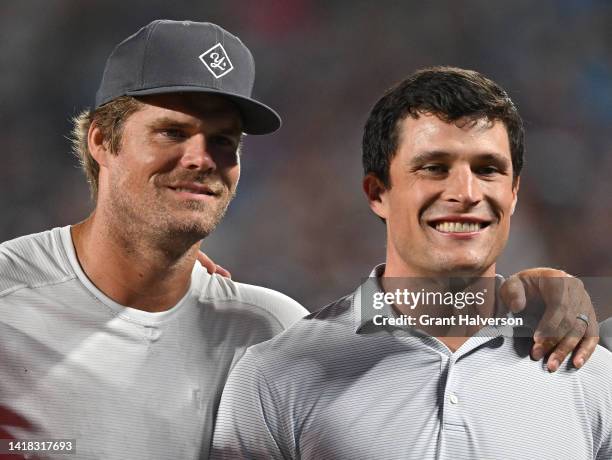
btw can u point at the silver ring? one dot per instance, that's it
(584, 318)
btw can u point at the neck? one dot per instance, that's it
(134, 270)
(400, 275)
(396, 267)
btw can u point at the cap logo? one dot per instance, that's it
(217, 61)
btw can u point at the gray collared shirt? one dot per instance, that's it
(328, 389)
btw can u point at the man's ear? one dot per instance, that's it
(515, 189)
(377, 196)
(97, 147)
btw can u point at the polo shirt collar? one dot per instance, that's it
(363, 315)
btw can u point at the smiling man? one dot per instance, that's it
(111, 335)
(453, 193)
(442, 153)
(112, 338)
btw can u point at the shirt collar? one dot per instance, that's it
(363, 314)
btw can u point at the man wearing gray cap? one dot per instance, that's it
(112, 338)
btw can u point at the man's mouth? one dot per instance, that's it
(193, 188)
(459, 224)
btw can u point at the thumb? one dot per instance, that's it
(512, 293)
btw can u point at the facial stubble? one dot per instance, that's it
(157, 219)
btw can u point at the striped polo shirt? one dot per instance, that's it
(331, 388)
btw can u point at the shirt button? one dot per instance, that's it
(152, 333)
(453, 398)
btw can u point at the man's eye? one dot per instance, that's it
(487, 170)
(223, 141)
(434, 168)
(173, 133)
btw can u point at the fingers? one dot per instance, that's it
(581, 339)
(207, 262)
(559, 331)
(568, 297)
(555, 323)
(559, 317)
(560, 350)
(584, 351)
(223, 272)
(587, 345)
(212, 267)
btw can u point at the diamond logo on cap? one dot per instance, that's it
(217, 61)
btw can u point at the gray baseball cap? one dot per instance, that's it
(185, 56)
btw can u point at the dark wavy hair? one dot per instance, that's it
(449, 93)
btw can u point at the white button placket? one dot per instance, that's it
(452, 396)
(454, 436)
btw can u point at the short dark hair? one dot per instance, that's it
(449, 93)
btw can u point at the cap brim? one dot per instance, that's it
(257, 118)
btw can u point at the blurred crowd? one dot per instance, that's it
(300, 223)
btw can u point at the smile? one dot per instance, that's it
(459, 225)
(193, 190)
(189, 190)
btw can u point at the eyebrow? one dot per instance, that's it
(426, 157)
(437, 155)
(495, 158)
(167, 122)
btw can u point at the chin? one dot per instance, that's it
(463, 268)
(197, 221)
(197, 229)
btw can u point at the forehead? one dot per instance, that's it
(191, 107)
(463, 136)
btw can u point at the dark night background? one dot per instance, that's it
(300, 223)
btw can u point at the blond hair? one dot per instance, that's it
(110, 119)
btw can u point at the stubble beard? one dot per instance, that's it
(153, 220)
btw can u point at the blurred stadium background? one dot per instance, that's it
(300, 223)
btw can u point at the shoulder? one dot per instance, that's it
(33, 260)
(324, 332)
(596, 383)
(230, 295)
(596, 390)
(598, 370)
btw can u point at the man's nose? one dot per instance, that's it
(197, 154)
(462, 186)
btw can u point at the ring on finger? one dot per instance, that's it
(583, 317)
